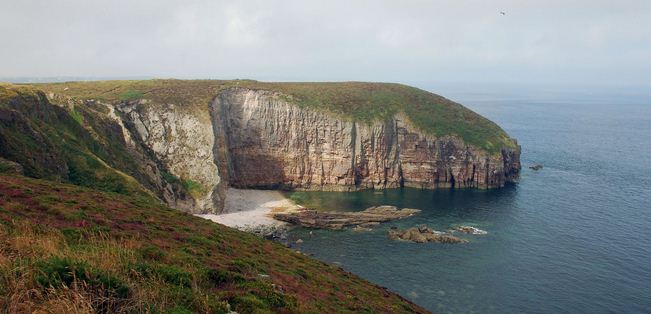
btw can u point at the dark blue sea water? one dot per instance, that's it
(574, 237)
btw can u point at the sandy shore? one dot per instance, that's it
(251, 209)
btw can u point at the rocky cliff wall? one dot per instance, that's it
(181, 141)
(270, 143)
(257, 139)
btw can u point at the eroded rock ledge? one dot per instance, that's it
(338, 220)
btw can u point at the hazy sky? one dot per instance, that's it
(411, 41)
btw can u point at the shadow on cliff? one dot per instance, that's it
(257, 171)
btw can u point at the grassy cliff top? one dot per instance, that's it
(65, 248)
(359, 101)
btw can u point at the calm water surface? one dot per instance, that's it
(574, 237)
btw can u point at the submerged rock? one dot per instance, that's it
(361, 229)
(338, 220)
(422, 234)
(536, 167)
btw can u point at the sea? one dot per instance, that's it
(573, 237)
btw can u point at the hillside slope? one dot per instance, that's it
(80, 142)
(66, 248)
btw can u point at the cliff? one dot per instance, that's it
(187, 141)
(271, 143)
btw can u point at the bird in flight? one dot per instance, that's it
(502, 12)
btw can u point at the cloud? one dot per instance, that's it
(406, 41)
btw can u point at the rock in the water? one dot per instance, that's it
(423, 228)
(536, 167)
(423, 234)
(338, 220)
(369, 224)
(361, 229)
(299, 241)
(470, 230)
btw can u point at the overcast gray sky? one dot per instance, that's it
(560, 42)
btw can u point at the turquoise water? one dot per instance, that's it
(574, 237)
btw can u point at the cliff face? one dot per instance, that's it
(187, 151)
(182, 142)
(271, 143)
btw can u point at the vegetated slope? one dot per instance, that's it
(66, 248)
(359, 101)
(79, 142)
(51, 142)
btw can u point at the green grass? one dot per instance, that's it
(77, 116)
(57, 272)
(369, 102)
(80, 145)
(356, 101)
(170, 177)
(194, 188)
(131, 95)
(65, 248)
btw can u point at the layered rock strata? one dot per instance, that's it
(188, 154)
(267, 142)
(338, 220)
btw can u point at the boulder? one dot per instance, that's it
(422, 234)
(470, 230)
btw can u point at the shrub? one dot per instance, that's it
(179, 309)
(168, 273)
(194, 188)
(151, 252)
(131, 95)
(268, 294)
(72, 235)
(57, 272)
(249, 303)
(77, 116)
(243, 266)
(170, 178)
(220, 276)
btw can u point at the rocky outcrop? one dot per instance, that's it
(469, 230)
(422, 234)
(8, 166)
(338, 220)
(182, 140)
(268, 142)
